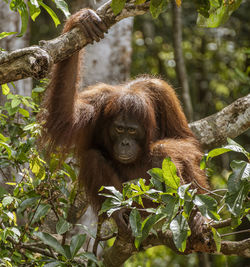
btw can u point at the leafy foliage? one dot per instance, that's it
(212, 13)
(32, 9)
(175, 202)
(216, 12)
(33, 190)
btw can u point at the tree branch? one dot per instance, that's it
(36, 61)
(231, 121)
(123, 247)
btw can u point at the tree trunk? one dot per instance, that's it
(181, 71)
(109, 60)
(11, 22)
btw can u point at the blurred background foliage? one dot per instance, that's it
(217, 60)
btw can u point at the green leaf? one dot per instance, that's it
(7, 201)
(135, 222)
(156, 173)
(67, 251)
(109, 206)
(7, 148)
(137, 189)
(15, 102)
(51, 241)
(180, 229)
(29, 202)
(232, 146)
(24, 112)
(241, 172)
(182, 190)
(51, 13)
(15, 231)
(62, 226)
(169, 210)
(218, 13)
(203, 163)
(38, 89)
(41, 211)
(236, 147)
(235, 200)
(147, 224)
(31, 127)
(118, 195)
(139, 2)
(63, 6)
(170, 174)
(117, 6)
(5, 34)
(217, 239)
(157, 7)
(53, 263)
(217, 151)
(5, 89)
(207, 206)
(35, 166)
(76, 243)
(34, 3)
(90, 256)
(22, 9)
(4, 138)
(70, 171)
(202, 7)
(2, 191)
(34, 9)
(144, 187)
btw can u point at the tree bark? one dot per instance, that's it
(10, 22)
(123, 248)
(36, 61)
(109, 60)
(231, 121)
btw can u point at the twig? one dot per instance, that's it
(221, 224)
(205, 189)
(27, 246)
(235, 233)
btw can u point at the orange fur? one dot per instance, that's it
(81, 119)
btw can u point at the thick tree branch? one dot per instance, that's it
(35, 61)
(123, 248)
(231, 121)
